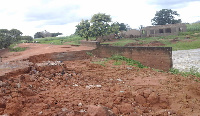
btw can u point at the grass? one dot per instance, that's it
(128, 61)
(72, 40)
(101, 62)
(12, 48)
(193, 72)
(118, 60)
(121, 42)
(193, 27)
(183, 43)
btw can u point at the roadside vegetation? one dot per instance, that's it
(14, 48)
(73, 40)
(193, 73)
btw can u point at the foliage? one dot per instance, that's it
(192, 73)
(89, 53)
(182, 42)
(122, 27)
(38, 35)
(72, 39)
(8, 37)
(45, 33)
(121, 42)
(194, 27)
(101, 62)
(55, 34)
(27, 38)
(127, 60)
(12, 48)
(83, 29)
(118, 63)
(165, 16)
(185, 45)
(114, 28)
(174, 71)
(100, 24)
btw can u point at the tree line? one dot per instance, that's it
(8, 37)
(45, 33)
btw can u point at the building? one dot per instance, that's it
(163, 30)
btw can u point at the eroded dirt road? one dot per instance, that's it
(83, 88)
(14, 60)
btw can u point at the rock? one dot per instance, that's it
(153, 98)
(2, 84)
(27, 92)
(126, 108)
(115, 110)
(147, 93)
(2, 103)
(99, 111)
(140, 99)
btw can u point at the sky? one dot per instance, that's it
(31, 16)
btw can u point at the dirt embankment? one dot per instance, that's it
(82, 88)
(15, 60)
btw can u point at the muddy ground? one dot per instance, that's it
(80, 87)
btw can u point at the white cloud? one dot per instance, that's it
(31, 16)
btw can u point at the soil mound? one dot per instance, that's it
(81, 87)
(76, 84)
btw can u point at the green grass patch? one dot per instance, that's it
(72, 40)
(89, 53)
(185, 45)
(12, 48)
(121, 42)
(118, 63)
(193, 27)
(193, 72)
(101, 62)
(129, 61)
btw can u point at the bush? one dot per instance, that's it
(12, 48)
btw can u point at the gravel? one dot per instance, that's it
(186, 60)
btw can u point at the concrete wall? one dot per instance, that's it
(154, 57)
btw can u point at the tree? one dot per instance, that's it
(165, 16)
(114, 28)
(122, 27)
(39, 35)
(100, 24)
(8, 37)
(83, 29)
(28, 38)
(16, 34)
(55, 34)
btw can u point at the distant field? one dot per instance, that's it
(60, 40)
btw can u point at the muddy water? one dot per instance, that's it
(185, 60)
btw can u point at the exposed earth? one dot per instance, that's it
(40, 84)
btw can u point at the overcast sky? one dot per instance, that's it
(31, 16)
